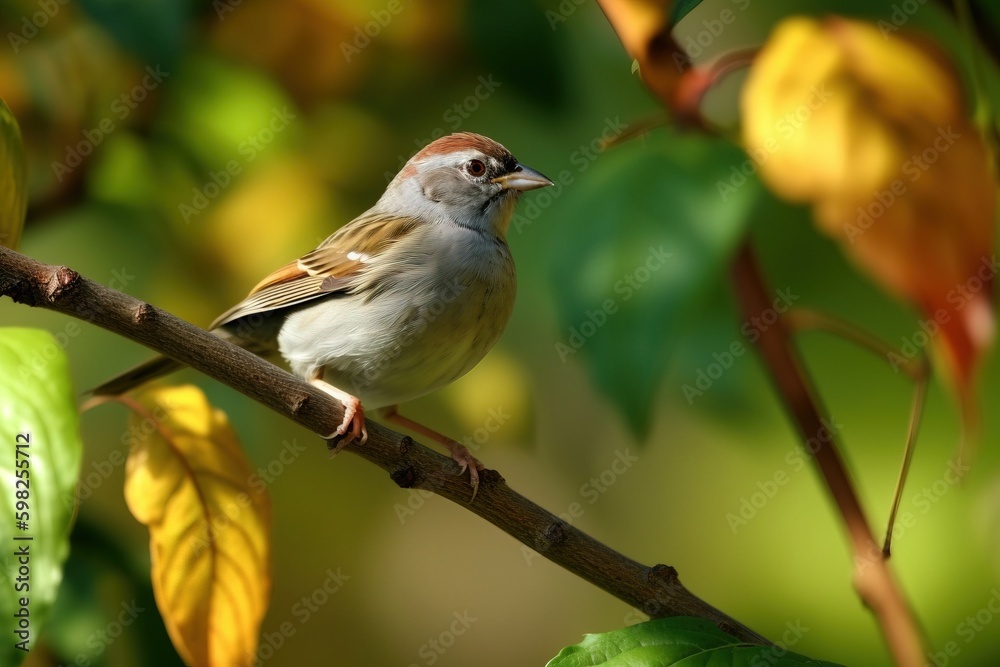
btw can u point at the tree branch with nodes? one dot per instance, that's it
(656, 590)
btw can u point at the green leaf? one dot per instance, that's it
(13, 174)
(679, 641)
(37, 410)
(623, 306)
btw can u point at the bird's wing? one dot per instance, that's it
(337, 265)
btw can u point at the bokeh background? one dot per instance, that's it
(269, 124)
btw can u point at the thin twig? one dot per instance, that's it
(656, 590)
(916, 410)
(917, 369)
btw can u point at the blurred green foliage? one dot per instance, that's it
(636, 284)
(276, 122)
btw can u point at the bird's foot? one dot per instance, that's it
(352, 428)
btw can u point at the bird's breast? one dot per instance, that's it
(423, 325)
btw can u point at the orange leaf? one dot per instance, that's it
(874, 135)
(209, 530)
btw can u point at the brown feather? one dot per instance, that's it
(337, 265)
(290, 271)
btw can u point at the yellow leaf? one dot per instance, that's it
(209, 529)
(873, 134)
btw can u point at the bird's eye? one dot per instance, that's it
(476, 167)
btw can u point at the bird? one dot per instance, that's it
(403, 300)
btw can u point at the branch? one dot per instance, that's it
(872, 577)
(643, 29)
(656, 590)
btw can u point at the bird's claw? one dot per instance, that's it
(351, 429)
(466, 461)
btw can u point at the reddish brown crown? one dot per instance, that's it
(463, 141)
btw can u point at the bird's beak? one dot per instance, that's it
(523, 178)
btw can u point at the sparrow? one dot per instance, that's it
(401, 301)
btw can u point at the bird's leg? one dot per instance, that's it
(354, 415)
(459, 452)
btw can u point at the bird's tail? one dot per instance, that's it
(141, 374)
